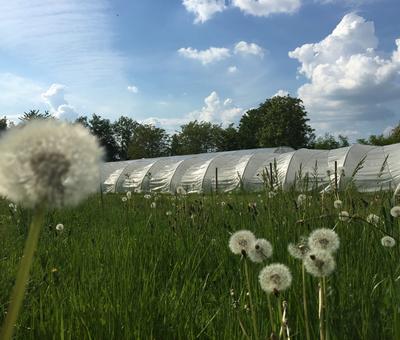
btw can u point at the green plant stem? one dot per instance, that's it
(325, 306)
(271, 318)
(305, 303)
(18, 292)
(253, 312)
(321, 312)
(283, 328)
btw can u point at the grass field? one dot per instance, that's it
(125, 270)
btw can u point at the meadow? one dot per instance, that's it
(160, 267)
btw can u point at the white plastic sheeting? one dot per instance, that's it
(369, 168)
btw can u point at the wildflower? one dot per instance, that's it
(153, 205)
(301, 199)
(124, 199)
(319, 263)
(299, 250)
(338, 204)
(147, 196)
(48, 162)
(223, 204)
(129, 195)
(395, 211)
(181, 190)
(372, 218)
(324, 239)
(60, 227)
(275, 278)
(388, 241)
(241, 241)
(260, 250)
(344, 216)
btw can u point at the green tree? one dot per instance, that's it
(34, 114)
(279, 121)
(227, 139)
(148, 141)
(380, 140)
(195, 137)
(329, 142)
(124, 131)
(3, 125)
(103, 130)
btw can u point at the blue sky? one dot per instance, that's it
(170, 61)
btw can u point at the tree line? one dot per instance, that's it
(279, 121)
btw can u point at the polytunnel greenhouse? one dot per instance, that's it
(368, 168)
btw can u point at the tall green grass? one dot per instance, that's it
(127, 271)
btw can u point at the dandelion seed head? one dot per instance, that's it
(301, 199)
(319, 263)
(147, 196)
(260, 250)
(338, 204)
(324, 239)
(395, 211)
(275, 277)
(49, 162)
(60, 227)
(344, 216)
(241, 240)
(388, 241)
(124, 199)
(180, 190)
(299, 250)
(372, 218)
(129, 195)
(153, 205)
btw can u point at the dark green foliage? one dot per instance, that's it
(3, 125)
(124, 130)
(380, 140)
(34, 114)
(329, 142)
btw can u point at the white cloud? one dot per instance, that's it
(267, 7)
(244, 48)
(59, 107)
(216, 111)
(348, 79)
(133, 89)
(204, 9)
(232, 69)
(62, 38)
(207, 56)
(281, 93)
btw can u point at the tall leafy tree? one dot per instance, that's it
(124, 131)
(34, 114)
(279, 121)
(3, 125)
(227, 139)
(380, 140)
(195, 137)
(148, 141)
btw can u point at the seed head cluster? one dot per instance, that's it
(275, 278)
(260, 250)
(324, 239)
(319, 263)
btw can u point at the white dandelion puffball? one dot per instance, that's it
(240, 241)
(344, 216)
(49, 162)
(260, 250)
(395, 211)
(338, 204)
(124, 199)
(319, 263)
(299, 250)
(301, 199)
(324, 239)
(153, 205)
(60, 227)
(147, 196)
(129, 195)
(373, 219)
(388, 241)
(181, 190)
(168, 213)
(275, 277)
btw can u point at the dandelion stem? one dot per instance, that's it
(18, 292)
(321, 308)
(305, 303)
(271, 318)
(282, 331)
(253, 312)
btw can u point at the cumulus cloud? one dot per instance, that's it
(207, 56)
(244, 48)
(232, 69)
(59, 107)
(204, 9)
(133, 89)
(281, 93)
(217, 111)
(264, 8)
(347, 78)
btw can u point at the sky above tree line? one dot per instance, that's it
(167, 62)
